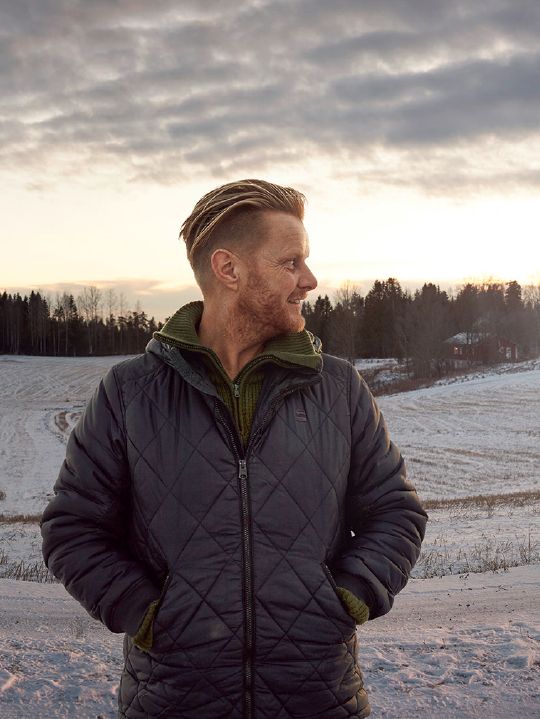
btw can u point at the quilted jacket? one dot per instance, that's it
(157, 500)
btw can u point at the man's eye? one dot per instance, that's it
(291, 263)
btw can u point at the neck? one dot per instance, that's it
(230, 335)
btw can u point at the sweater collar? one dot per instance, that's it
(300, 348)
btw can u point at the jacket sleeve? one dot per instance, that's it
(384, 515)
(84, 525)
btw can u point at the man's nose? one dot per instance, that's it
(308, 280)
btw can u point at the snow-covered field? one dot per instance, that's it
(40, 398)
(472, 437)
(460, 643)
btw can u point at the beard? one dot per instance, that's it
(263, 313)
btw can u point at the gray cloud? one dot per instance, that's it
(463, 101)
(168, 90)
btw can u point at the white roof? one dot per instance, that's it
(466, 338)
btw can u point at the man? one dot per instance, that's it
(230, 500)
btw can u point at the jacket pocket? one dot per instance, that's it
(161, 597)
(164, 588)
(144, 639)
(332, 582)
(330, 578)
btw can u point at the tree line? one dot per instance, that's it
(94, 323)
(388, 322)
(392, 322)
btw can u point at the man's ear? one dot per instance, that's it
(225, 266)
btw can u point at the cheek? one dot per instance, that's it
(290, 281)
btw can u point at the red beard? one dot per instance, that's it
(266, 314)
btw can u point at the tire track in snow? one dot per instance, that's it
(41, 399)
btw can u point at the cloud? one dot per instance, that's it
(165, 91)
(457, 103)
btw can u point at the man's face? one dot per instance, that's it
(277, 278)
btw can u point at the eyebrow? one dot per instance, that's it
(290, 252)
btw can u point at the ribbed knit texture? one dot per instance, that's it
(356, 607)
(145, 634)
(242, 408)
(301, 348)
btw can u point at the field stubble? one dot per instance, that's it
(480, 533)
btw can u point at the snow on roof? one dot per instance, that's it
(474, 338)
(465, 338)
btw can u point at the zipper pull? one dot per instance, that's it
(242, 469)
(236, 389)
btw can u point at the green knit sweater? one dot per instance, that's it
(240, 394)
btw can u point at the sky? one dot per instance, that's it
(413, 128)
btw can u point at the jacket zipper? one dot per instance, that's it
(247, 557)
(247, 565)
(248, 587)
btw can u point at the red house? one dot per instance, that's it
(469, 348)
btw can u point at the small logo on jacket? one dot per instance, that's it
(300, 415)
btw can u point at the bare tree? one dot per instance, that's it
(348, 305)
(111, 302)
(65, 304)
(531, 295)
(89, 302)
(122, 319)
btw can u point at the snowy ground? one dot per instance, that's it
(458, 647)
(461, 645)
(475, 437)
(40, 398)
(451, 648)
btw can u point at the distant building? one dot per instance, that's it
(469, 348)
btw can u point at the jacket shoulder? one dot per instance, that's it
(136, 367)
(336, 365)
(338, 369)
(337, 376)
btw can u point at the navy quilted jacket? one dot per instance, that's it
(157, 499)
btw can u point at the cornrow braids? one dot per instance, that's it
(217, 205)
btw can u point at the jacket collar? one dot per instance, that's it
(301, 348)
(294, 359)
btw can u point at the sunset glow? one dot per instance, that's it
(411, 134)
